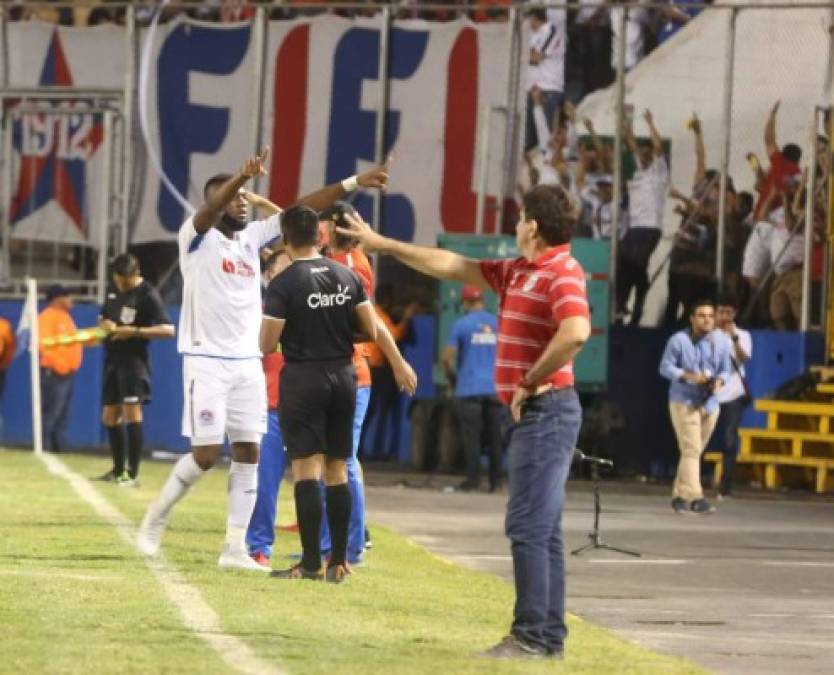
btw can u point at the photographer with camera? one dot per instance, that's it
(697, 364)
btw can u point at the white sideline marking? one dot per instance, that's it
(196, 614)
(59, 575)
(797, 563)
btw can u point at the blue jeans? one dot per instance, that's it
(356, 528)
(56, 397)
(271, 464)
(551, 100)
(539, 452)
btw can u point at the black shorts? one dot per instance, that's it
(318, 399)
(126, 383)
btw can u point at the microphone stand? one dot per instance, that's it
(594, 535)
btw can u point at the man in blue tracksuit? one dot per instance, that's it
(469, 362)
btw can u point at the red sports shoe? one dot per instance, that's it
(260, 558)
(292, 527)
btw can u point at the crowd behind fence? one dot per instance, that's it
(768, 246)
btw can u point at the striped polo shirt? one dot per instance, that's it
(535, 297)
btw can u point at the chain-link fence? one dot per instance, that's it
(452, 90)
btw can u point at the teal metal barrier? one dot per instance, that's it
(591, 366)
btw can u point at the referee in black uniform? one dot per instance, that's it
(316, 308)
(133, 313)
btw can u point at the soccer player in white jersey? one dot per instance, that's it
(225, 391)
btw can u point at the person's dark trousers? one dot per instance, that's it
(380, 435)
(633, 269)
(551, 100)
(730, 421)
(56, 397)
(480, 425)
(539, 452)
(683, 290)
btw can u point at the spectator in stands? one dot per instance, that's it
(7, 350)
(635, 32)
(733, 397)
(675, 15)
(593, 187)
(545, 70)
(469, 363)
(697, 365)
(784, 163)
(692, 259)
(647, 198)
(588, 59)
(58, 367)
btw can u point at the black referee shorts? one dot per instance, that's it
(126, 383)
(318, 399)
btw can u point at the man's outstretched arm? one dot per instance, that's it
(435, 262)
(321, 199)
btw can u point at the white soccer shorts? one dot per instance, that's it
(757, 251)
(223, 397)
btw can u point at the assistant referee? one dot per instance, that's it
(132, 314)
(315, 309)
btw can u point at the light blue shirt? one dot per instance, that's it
(474, 335)
(710, 355)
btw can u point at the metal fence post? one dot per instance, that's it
(6, 195)
(618, 164)
(810, 198)
(104, 205)
(382, 112)
(729, 67)
(259, 29)
(127, 124)
(511, 129)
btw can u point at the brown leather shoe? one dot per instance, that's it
(297, 572)
(511, 647)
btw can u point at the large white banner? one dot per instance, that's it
(319, 105)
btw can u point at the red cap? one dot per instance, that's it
(472, 292)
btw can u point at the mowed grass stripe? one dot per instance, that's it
(405, 611)
(126, 596)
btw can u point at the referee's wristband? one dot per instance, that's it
(350, 184)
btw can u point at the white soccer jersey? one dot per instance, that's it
(221, 299)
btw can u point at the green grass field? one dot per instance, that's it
(75, 598)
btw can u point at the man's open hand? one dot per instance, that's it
(359, 229)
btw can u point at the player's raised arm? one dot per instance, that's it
(321, 199)
(217, 200)
(435, 262)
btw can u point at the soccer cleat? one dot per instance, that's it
(124, 480)
(238, 559)
(297, 572)
(368, 542)
(260, 557)
(511, 647)
(336, 574)
(151, 530)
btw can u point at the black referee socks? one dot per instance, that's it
(308, 515)
(116, 436)
(135, 441)
(338, 518)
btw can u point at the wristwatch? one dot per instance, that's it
(734, 338)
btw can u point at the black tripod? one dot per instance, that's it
(594, 535)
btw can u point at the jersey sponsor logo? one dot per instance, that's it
(238, 267)
(485, 336)
(206, 417)
(314, 270)
(127, 315)
(318, 300)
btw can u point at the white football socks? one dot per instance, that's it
(243, 492)
(186, 472)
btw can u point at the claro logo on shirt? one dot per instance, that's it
(317, 300)
(239, 267)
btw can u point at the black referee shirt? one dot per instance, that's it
(140, 307)
(317, 297)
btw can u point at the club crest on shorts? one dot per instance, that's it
(128, 315)
(206, 417)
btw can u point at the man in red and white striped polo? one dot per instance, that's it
(542, 324)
